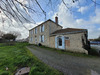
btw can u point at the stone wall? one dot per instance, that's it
(49, 27)
(74, 42)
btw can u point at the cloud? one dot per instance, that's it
(10, 25)
(83, 9)
(67, 19)
(96, 18)
(17, 27)
(98, 28)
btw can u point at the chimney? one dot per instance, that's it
(56, 20)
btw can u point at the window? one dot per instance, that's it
(66, 38)
(35, 40)
(31, 39)
(35, 31)
(42, 38)
(42, 28)
(31, 32)
(60, 41)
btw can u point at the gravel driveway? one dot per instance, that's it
(69, 65)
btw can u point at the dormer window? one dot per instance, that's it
(42, 28)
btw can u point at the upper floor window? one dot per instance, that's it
(42, 28)
(31, 32)
(35, 31)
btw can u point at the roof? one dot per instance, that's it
(68, 31)
(45, 22)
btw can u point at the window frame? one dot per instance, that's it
(41, 38)
(31, 39)
(42, 28)
(60, 41)
(35, 30)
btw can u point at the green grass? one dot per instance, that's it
(18, 56)
(93, 53)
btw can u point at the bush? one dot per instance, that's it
(93, 51)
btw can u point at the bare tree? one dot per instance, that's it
(18, 9)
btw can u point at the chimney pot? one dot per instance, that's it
(56, 19)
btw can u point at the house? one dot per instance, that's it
(51, 34)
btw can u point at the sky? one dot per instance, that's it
(81, 14)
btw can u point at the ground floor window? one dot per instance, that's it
(42, 38)
(35, 39)
(66, 38)
(31, 39)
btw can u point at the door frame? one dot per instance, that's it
(57, 42)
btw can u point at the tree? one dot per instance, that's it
(9, 37)
(16, 10)
(98, 39)
(16, 34)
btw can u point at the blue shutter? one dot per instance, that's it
(34, 31)
(43, 38)
(56, 42)
(40, 38)
(43, 27)
(32, 39)
(63, 42)
(40, 28)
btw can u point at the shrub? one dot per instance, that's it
(93, 51)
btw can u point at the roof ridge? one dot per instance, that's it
(45, 22)
(75, 28)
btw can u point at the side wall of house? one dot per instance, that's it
(75, 43)
(52, 42)
(53, 27)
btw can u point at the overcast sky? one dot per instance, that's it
(82, 14)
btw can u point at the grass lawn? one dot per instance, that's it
(93, 52)
(17, 56)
